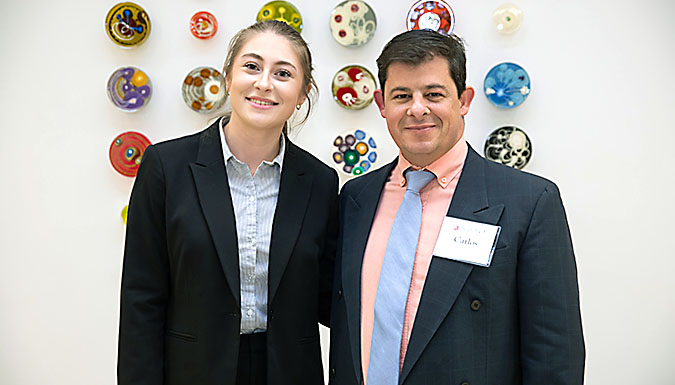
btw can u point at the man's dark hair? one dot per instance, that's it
(419, 46)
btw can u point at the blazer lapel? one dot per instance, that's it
(294, 191)
(359, 213)
(446, 278)
(214, 197)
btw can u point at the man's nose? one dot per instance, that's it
(418, 108)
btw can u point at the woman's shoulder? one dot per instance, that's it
(307, 160)
(187, 144)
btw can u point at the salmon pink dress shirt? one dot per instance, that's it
(436, 197)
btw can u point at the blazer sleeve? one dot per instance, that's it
(552, 344)
(145, 279)
(327, 263)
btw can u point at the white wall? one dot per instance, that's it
(600, 117)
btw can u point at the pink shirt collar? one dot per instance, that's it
(444, 168)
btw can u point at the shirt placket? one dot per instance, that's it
(247, 254)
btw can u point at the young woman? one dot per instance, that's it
(231, 236)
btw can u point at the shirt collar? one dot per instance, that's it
(445, 169)
(227, 154)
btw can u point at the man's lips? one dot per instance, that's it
(418, 126)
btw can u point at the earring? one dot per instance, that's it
(228, 93)
(298, 107)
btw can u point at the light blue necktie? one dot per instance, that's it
(394, 284)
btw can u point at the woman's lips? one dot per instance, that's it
(261, 103)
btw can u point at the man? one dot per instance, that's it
(424, 316)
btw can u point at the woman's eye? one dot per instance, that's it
(250, 66)
(284, 74)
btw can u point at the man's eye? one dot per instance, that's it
(435, 94)
(401, 96)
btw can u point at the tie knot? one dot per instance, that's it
(418, 179)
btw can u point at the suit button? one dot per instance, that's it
(332, 372)
(339, 293)
(475, 305)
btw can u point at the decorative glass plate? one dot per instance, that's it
(354, 152)
(127, 24)
(124, 213)
(507, 18)
(129, 88)
(353, 23)
(204, 90)
(203, 25)
(507, 85)
(434, 15)
(353, 87)
(282, 11)
(508, 145)
(126, 152)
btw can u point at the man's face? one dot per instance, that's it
(422, 109)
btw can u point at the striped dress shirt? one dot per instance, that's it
(254, 198)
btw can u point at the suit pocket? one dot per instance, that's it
(181, 336)
(502, 255)
(308, 340)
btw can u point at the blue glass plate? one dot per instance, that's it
(507, 85)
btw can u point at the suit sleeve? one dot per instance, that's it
(552, 344)
(145, 279)
(327, 263)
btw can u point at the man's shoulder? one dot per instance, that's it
(505, 181)
(377, 177)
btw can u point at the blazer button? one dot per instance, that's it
(475, 305)
(332, 372)
(339, 293)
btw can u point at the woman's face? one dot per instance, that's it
(265, 83)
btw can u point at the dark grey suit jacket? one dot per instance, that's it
(180, 312)
(515, 322)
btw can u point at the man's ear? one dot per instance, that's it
(465, 99)
(379, 100)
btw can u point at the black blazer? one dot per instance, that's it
(180, 297)
(516, 322)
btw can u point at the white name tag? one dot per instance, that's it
(467, 241)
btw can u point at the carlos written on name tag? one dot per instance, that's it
(467, 241)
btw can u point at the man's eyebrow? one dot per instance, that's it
(427, 87)
(435, 85)
(280, 62)
(399, 89)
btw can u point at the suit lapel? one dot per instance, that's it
(359, 213)
(446, 278)
(294, 192)
(214, 197)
